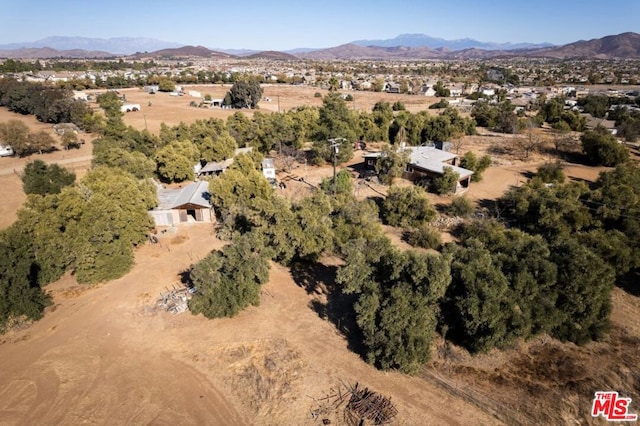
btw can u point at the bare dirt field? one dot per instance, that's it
(105, 354)
(175, 109)
(11, 194)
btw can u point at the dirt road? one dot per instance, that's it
(103, 355)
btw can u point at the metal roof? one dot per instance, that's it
(434, 160)
(196, 193)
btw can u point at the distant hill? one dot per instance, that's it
(405, 46)
(354, 51)
(116, 45)
(422, 40)
(271, 55)
(186, 52)
(625, 45)
(47, 52)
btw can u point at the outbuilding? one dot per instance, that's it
(188, 204)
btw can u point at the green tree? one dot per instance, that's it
(441, 90)
(460, 206)
(469, 161)
(16, 134)
(133, 162)
(584, 296)
(40, 178)
(551, 172)
(245, 94)
(111, 216)
(476, 306)
(70, 140)
(239, 187)
(602, 148)
(407, 206)
(342, 185)
(445, 183)
(397, 301)
(553, 212)
(424, 236)
(391, 163)
(335, 121)
(20, 291)
(176, 160)
(166, 85)
(229, 280)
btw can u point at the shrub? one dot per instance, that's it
(425, 237)
(460, 206)
(602, 148)
(446, 183)
(551, 173)
(317, 95)
(407, 206)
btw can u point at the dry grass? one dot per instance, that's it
(264, 373)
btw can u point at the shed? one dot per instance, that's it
(183, 205)
(268, 168)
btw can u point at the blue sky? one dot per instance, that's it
(281, 25)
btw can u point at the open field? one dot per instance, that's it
(175, 109)
(104, 354)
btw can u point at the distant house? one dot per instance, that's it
(391, 87)
(188, 204)
(429, 162)
(215, 168)
(427, 90)
(268, 168)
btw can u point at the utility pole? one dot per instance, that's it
(335, 144)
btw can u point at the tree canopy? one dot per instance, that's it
(245, 94)
(40, 178)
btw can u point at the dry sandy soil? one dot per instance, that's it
(105, 354)
(173, 109)
(11, 194)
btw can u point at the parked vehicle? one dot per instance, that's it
(6, 151)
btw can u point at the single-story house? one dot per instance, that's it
(429, 162)
(188, 204)
(427, 90)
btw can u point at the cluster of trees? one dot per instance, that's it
(551, 271)
(552, 111)
(602, 148)
(24, 142)
(500, 117)
(48, 103)
(627, 123)
(89, 228)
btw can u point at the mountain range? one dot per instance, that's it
(405, 46)
(422, 40)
